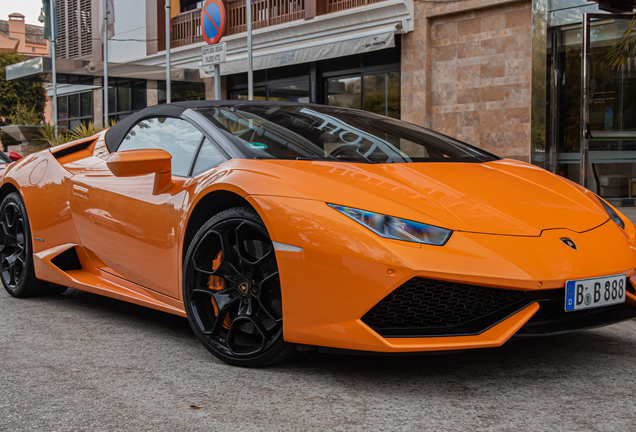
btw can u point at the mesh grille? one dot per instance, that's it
(427, 304)
(428, 307)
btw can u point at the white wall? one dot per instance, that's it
(130, 23)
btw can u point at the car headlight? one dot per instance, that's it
(395, 228)
(611, 213)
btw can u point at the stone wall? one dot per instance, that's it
(467, 73)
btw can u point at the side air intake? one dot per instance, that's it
(67, 260)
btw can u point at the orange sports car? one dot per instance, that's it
(277, 228)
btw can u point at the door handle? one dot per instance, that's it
(587, 133)
(80, 191)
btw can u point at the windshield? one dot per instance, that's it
(311, 132)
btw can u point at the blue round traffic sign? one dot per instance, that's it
(213, 21)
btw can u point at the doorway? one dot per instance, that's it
(594, 114)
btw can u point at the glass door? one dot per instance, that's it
(608, 110)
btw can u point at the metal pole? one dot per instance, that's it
(585, 50)
(53, 55)
(105, 83)
(168, 86)
(386, 94)
(250, 74)
(217, 82)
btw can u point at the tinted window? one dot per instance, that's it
(208, 158)
(176, 136)
(327, 133)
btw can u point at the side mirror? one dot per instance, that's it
(134, 163)
(14, 156)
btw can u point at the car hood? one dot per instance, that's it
(503, 197)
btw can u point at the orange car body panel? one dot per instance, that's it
(129, 235)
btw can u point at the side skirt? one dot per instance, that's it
(93, 280)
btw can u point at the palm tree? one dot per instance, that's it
(621, 51)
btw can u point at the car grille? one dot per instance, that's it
(428, 307)
(433, 307)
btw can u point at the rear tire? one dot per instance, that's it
(16, 252)
(231, 291)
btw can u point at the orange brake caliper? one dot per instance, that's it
(217, 283)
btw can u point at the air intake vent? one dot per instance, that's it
(67, 260)
(427, 307)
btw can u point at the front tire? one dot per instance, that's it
(16, 252)
(231, 290)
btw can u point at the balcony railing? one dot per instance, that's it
(186, 27)
(264, 13)
(340, 5)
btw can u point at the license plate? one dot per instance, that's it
(594, 292)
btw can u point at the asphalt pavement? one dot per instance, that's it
(84, 362)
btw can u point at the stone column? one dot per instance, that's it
(415, 70)
(152, 93)
(98, 103)
(209, 88)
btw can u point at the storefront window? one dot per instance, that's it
(125, 97)
(181, 91)
(290, 93)
(74, 109)
(260, 93)
(378, 93)
(369, 81)
(382, 94)
(344, 92)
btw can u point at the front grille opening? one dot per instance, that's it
(67, 260)
(428, 307)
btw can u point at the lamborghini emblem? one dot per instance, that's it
(568, 242)
(243, 288)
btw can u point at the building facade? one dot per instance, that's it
(518, 78)
(25, 39)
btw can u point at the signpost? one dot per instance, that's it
(213, 21)
(213, 55)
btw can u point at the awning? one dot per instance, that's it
(73, 71)
(373, 39)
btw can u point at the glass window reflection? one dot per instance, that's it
(176, 136)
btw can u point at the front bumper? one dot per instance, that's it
(344, 270)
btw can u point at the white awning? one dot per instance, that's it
(372, 39)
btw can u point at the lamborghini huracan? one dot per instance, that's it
(277, 228)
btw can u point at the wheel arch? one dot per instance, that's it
(208, 206)
(8, 188)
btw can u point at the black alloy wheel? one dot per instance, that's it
(231, 290)
(16, 253)
(13, 252)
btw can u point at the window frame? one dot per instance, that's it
(115, 84)
(195, 155)
(67, 119)
(362, 73)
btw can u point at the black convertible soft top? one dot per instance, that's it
(116, 134)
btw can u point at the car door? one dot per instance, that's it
(129, 231)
